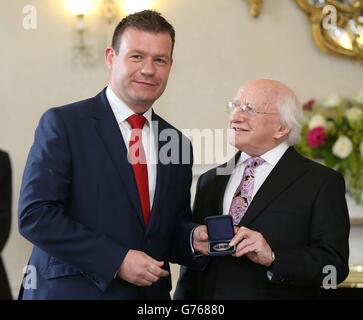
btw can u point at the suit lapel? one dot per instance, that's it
(221, 184)
(109, 132)
(162, 173)
(287, 170)
(222, 181)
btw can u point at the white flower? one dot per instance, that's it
(359, 97)
(354, 114)
(361, 148)
(332, 101)
(342, 147)
(317, 120)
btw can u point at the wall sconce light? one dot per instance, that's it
(108, 10)
(80, 8)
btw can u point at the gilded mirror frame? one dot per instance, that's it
(348, 26)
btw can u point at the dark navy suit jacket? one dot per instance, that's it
(79, 206)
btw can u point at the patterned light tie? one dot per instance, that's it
(243, 195)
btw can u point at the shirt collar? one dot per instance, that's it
(120, 108)
(271, 157)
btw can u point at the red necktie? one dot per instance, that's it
(138, 161)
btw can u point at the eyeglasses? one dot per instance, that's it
(249, 109)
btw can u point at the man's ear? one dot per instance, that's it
(282, 131)
(109, 54)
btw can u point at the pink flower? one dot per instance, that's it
(308, 104)
(316, 137)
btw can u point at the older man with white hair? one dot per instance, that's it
(290, 214)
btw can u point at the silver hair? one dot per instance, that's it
(291, 114)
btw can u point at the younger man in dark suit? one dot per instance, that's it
(101, 201)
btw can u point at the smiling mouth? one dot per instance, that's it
(146, 83)
(240, 129)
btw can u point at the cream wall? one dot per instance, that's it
(218, 46)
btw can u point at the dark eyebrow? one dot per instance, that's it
(136, 51)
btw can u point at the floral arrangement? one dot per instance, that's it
(333, 135)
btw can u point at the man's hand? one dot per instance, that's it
(140, 269)
(253, 245)
(200, 239)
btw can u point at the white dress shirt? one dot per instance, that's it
(122, 112)
(271, 158)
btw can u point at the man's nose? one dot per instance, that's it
(148, 67)
(238, 115)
